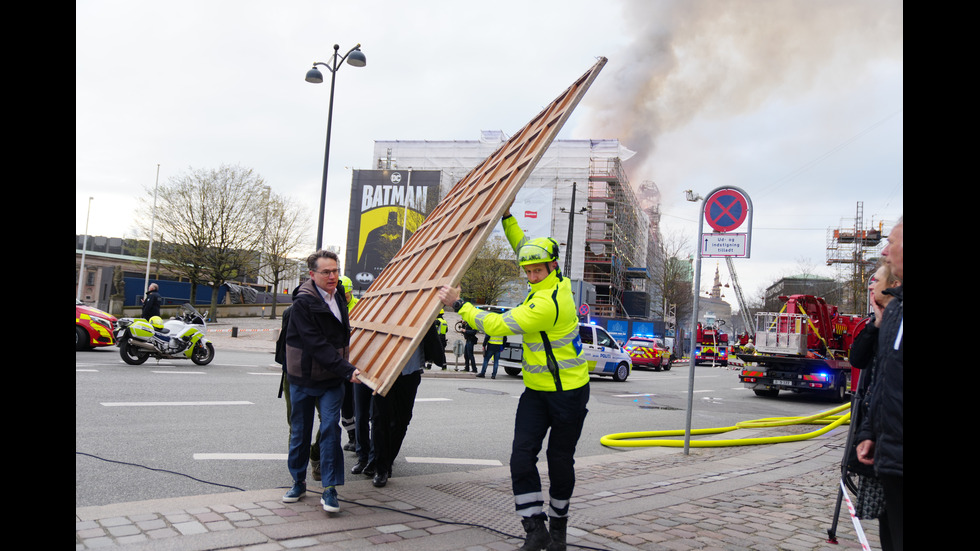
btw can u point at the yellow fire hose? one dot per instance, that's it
(642, 439)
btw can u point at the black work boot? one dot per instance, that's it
(557, 529)
(537, 533)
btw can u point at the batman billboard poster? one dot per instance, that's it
(386, 207)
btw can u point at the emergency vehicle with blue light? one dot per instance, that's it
(711, 343)
(648, 353)
(802, 348)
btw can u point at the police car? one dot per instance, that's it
(606, 358)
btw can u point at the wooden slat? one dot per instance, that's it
(402, 303)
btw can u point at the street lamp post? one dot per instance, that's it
(81, 270)
(153, 222)
(571, 228)
(356, 58)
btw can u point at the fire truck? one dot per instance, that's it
(802, 348)
(711, 343)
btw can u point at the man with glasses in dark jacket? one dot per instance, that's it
(317, 340)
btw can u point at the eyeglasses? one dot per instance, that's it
(328, 272)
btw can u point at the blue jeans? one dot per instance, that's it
(304, 405)
(491, 350)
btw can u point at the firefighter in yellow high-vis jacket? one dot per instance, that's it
(556, 377)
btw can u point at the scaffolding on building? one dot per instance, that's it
(855, 251)
(649, 197)
(615, 239)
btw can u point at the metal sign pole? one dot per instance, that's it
(694, 336)
(735, 221)
(405, 216)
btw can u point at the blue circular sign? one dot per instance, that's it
(726, 210)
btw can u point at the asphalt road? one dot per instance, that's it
(173, 429)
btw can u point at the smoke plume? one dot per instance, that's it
(688, 59)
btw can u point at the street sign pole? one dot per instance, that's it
(694, 336)
(730, 208)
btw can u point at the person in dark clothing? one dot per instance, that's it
(382, 421)
(881, 434)
(392, 413)
(363, 447)
(317, 340)
(281, 360)
(469, 335)
(435, 352)
(863, 356)
(151, 304)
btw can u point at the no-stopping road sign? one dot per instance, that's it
(726, 210)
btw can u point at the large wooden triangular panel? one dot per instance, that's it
(402, 303)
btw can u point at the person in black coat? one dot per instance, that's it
(151, 304)
(880, 437)
(863, 356)
(469, 335)
(281, 360)
(434, 350)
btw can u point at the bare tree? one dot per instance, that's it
(213, 222)
(287, 227)
(670, 272)
(493, 271)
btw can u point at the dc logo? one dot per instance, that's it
(396, 177)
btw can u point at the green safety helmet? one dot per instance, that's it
(156, 322)
(538, 250)
(347, 283)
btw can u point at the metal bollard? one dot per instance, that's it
(458, 350)
(234, 331)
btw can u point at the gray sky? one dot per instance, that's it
(799, 103)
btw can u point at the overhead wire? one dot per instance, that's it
(813, 162)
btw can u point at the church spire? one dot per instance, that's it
(716, 288)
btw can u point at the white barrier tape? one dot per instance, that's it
(240, 330)
(854, 519)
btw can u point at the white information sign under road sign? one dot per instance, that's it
(724, 244)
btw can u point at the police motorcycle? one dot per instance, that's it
(178, 338)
